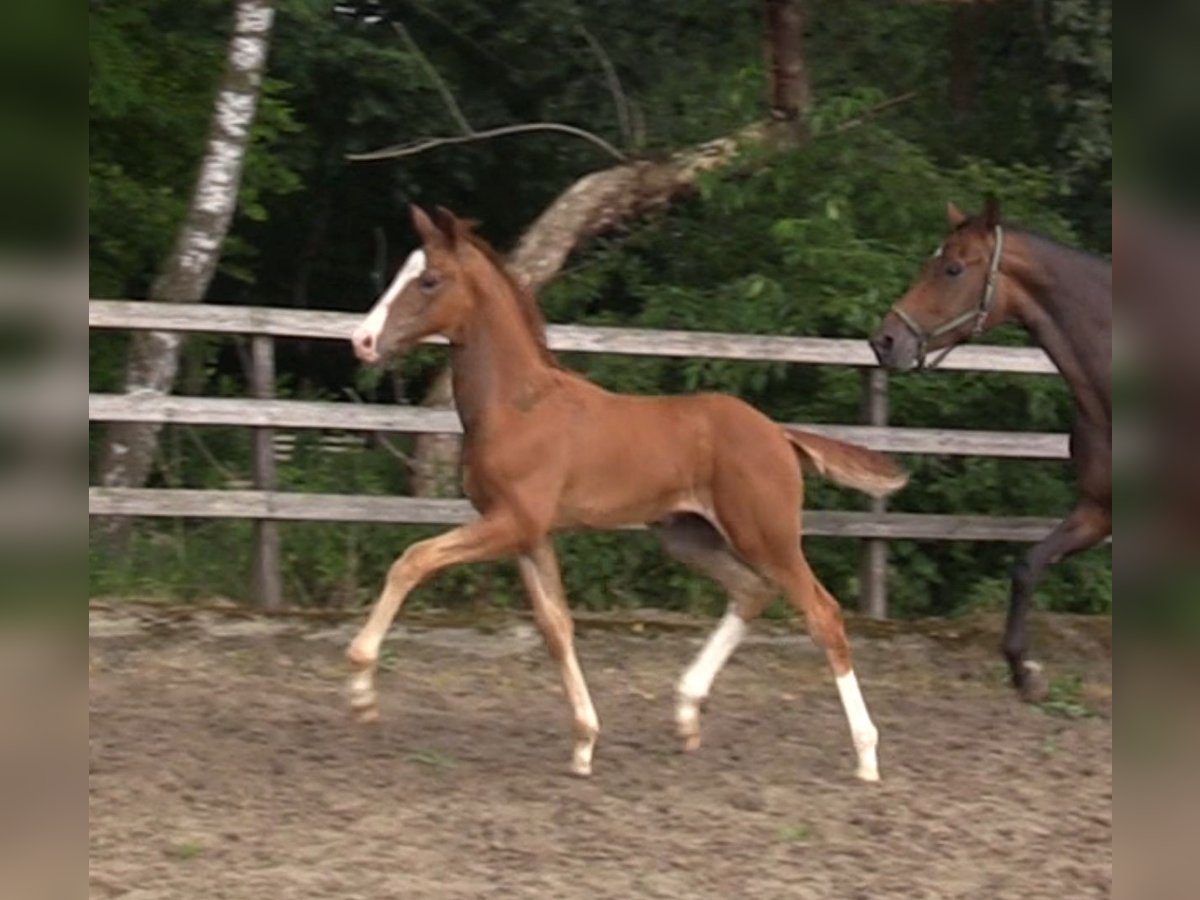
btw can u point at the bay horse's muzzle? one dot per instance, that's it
(894, 345)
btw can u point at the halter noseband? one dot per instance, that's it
(979, 314)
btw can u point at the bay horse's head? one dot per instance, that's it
(954, 298)
(428, 296)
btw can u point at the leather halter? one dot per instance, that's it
(979, 313)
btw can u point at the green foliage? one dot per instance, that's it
(1008, 98)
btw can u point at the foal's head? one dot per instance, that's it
(955, 297)
(429, 295)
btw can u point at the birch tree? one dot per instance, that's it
(129, 448)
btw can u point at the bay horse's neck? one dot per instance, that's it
(496, 360)
(1064, 298)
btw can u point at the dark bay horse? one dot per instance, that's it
(546, 450)
(983, 275)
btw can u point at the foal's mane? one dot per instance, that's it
(527, 305)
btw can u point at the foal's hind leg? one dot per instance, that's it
(696, 543)
(539, 571)
(824, 618)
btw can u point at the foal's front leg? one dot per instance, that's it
(539, 571)
(488, 538)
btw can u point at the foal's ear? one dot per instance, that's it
(954, 216)
(449, 223)
(428, 232)
(991, 211)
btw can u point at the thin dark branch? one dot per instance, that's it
(637, 124)
(438, 82)
(462, 36)
(871, 112)
(425, 144)
(383, 440)
(228, 475)
(614, 85)
(379, 269)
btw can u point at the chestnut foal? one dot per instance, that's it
(546, 450)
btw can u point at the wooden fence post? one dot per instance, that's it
(874, 560)
(268, 587)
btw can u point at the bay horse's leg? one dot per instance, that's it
(695, 542)
(1088, 524)
(488, 538)
(824, 618)
(540, 573)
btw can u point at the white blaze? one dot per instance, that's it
(368, 332)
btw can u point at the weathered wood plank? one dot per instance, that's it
(297, 323)
(409, 510)
(873, 566)
(268, 577)
(381, 417)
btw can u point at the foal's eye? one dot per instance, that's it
(429, 280)
(954, 268)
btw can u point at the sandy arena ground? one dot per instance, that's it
(224, 764)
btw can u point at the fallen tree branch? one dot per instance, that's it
(602, 200)
(426, 144)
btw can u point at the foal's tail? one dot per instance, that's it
(855, 467)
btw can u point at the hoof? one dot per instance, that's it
(1032, 683)
(866, 774)
(364, 702)
(366, 715)
(581, 768)
(687, 723)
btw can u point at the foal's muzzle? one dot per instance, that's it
(365, 346)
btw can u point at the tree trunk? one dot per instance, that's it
(965, 23)
(790, 94)
(153, 361)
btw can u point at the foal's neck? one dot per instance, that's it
(1064, 299)
(497, 362)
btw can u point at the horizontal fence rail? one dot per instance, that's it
(417, 419)
(299, 323)
(265, 414)
(299, 507)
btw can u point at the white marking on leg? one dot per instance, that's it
(366, 336)
(862, 730)
(587, 723)
(554, 611)
(698, 679)
(363, 700)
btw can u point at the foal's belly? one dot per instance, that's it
(603, 515)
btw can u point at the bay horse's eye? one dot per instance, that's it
(429, 280)
(954, 268)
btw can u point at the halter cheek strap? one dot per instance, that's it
(979, 313)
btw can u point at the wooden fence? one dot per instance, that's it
(264, 413)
